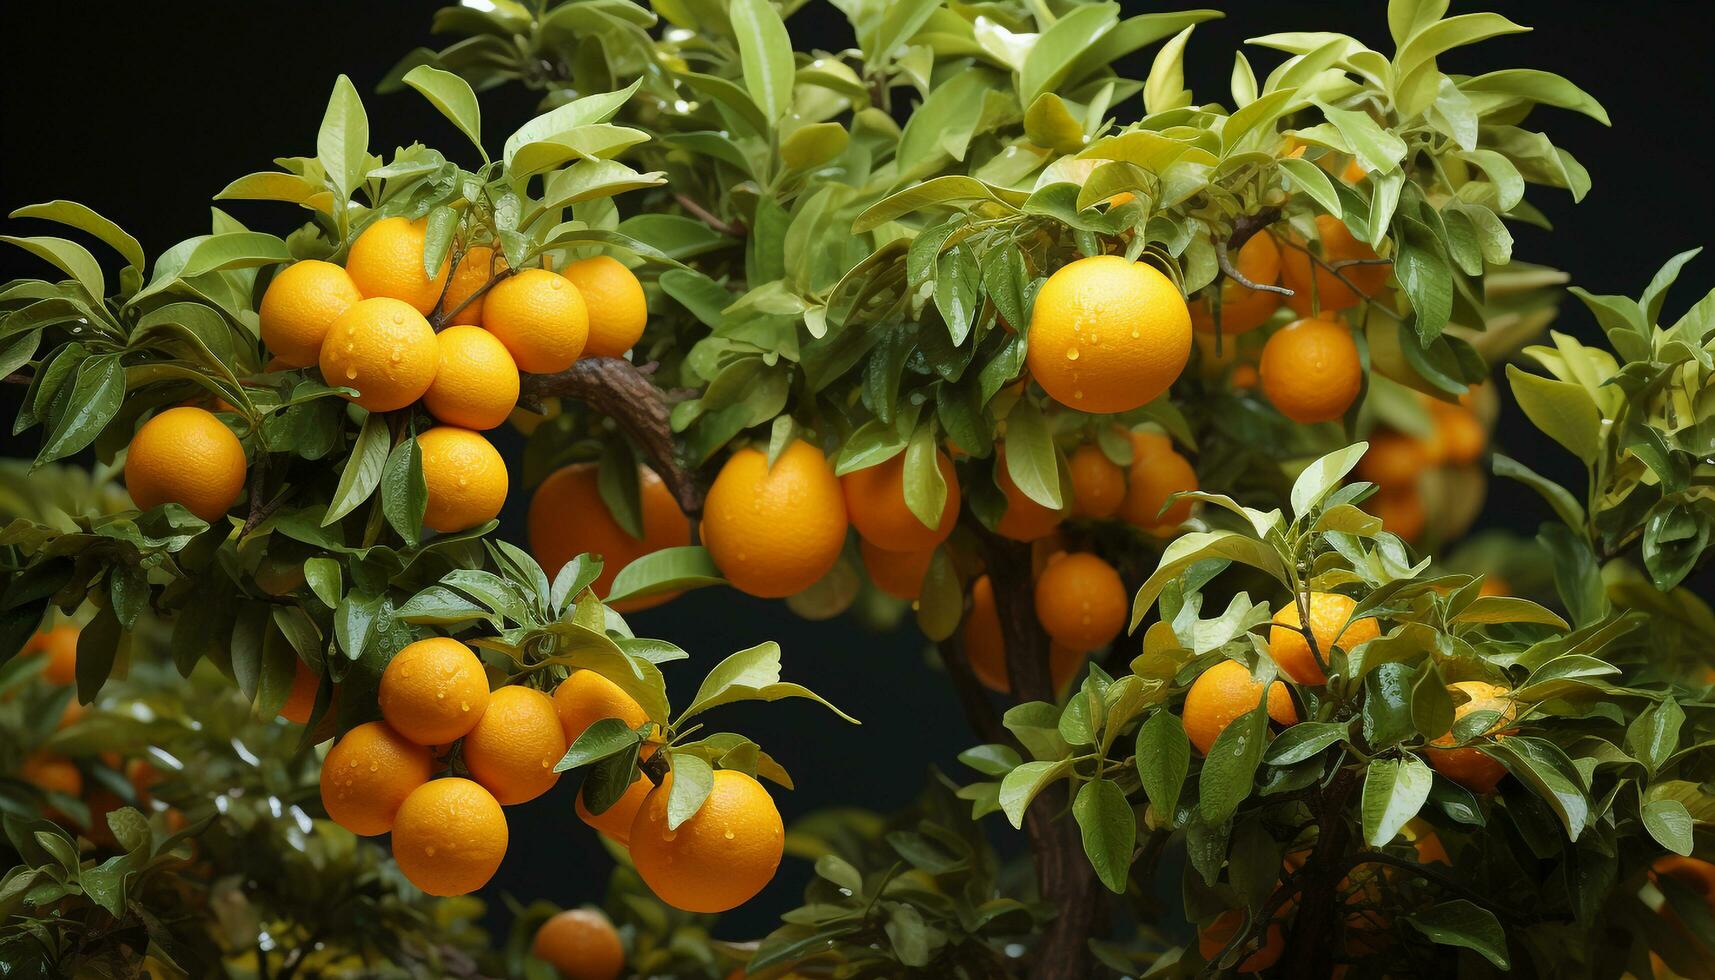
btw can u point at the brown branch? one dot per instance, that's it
(1232, 272)
(1245, 226)
(440, 318)
(624, 392)
(708, 217)
(1337, 274)
(978, 709)
(1434, 876)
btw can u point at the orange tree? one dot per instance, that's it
(1055, 343)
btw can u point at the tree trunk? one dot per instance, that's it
(1309, 946)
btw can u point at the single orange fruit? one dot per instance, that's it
(60, 644)
(515, 745)
(1081, 602)
(433, 691)
(1244, 309)
(367, 775)
(1108, 335)
(1495, 585)
(387, 260)
(1458, 433)
(614, 298)
(51, 773)
(897, 573)
(1338, 245)
(985, 645)
(449, 837)
(775, 532)
(1426, 842)
(875, 502)
(616, 820)
(1353, 172)
(580, 944)
(186, 456)
(1158, 472)
(301, 700)
(1401, 512)
(1223, 694)
(1098, 483)
(1025, 519)
(476, 383)
(1244, 377)
(717, 859)
(1311, 371)
(479, 265)
(301, 303)
(1468, 766)
(540, 317)
(1394, 460)
(385, 350)
(1214, 937)
(568, 518)
(1330, 615)
(587, 697)
(465, 476)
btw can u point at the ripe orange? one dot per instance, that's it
(717, 859)
(465, 476)
(540, 317)
(449, 837)
(301, 303)
(985, 645)
(1459, 434)
(1401, 512)
(1394, 460)
(368, 774)
(51, 773)
(433, 691)
(1098, 483)
(1224, 693)
(774, 532)
(586, 697)
(1214, 937)
(1426, 842)
(515, 745)
(384, 349)
(568, 518)
(1157, 472)
(1468, 766)
(1244, 377)
(614, 298)
(1353, 172)
(301, 701)
(1108, 335)
(1329, 615)
(1311, 371)
(1698, 875)
(1338, 245)
(60, 644)
(1025, 519)
(476, 383)
(387, 260)
(186, 456)
(580, 944)
(1495, 585)
(875, 501)
(616, 820)
(475, 269)
(897, 573)
(1080, 602)
(1244, 309)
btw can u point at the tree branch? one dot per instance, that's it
(1434, 876)
(979, 710)
(708, 217)
(624, 392)
(1244, 229)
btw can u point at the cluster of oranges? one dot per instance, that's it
(1398, 462)
(449, 833)
(366, 326)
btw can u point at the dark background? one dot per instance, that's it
(144, 111)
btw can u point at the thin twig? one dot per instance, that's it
(438, 319)
(708, 217)
(1441, 878)
(1337, 274)
(1232, 272)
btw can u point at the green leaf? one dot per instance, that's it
(1377, 149)
(1427, 279)
(925, 486)
(1031, 460)
(1163, 757)
(1669, 822)
(324, 579)
(1544, 767)
(1188, 549)
(693, 779)
(603, 738)
(1445, 35)
(1321, 477)
(70, 258)
(1565, 506)
(1231, 767)
(750, 675)
(1022, 784)
(765, 55)
(1302, 741)
(1466, 924)
(1056, 50)
(1508, 609)
(667, 570)
(404, 493)
(342, 143)
(96, 397)
(1109, 831)
(84, 219)
(1541, 87)
(940, 601)
(1562, 410)
(1394, 791)
(452, 95)
(1165, 87)
(362, 473)
(587, 111)
(1307, 178)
